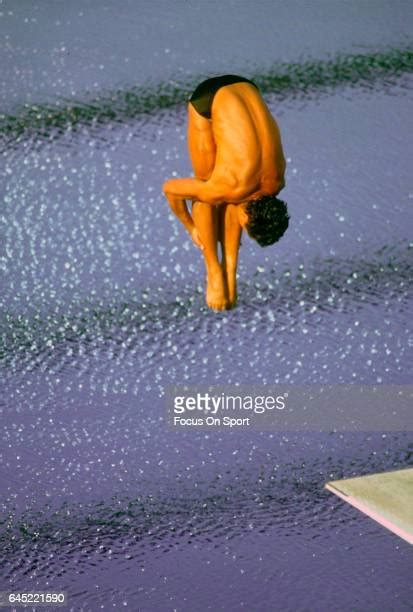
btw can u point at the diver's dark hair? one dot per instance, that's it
(267, 219)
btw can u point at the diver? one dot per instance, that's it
(238, 161)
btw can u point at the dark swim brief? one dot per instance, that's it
(203, 95)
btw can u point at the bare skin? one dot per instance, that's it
(237, 157)
(218, 228)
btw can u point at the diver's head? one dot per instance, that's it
(265, 219)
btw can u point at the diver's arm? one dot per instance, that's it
(212, 191)
(180, 209)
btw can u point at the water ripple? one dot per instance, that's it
(292, 80)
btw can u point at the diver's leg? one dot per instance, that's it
(220, 216)
(221, 212)
(205, 219)
(232, 231)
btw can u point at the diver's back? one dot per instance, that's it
(268, 138)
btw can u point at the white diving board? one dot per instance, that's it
(387, 498)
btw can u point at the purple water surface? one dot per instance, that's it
(102, 308)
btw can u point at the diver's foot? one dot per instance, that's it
(216, 295)
(232, 288)
(232, 301)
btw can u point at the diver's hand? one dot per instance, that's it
(196, 239)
